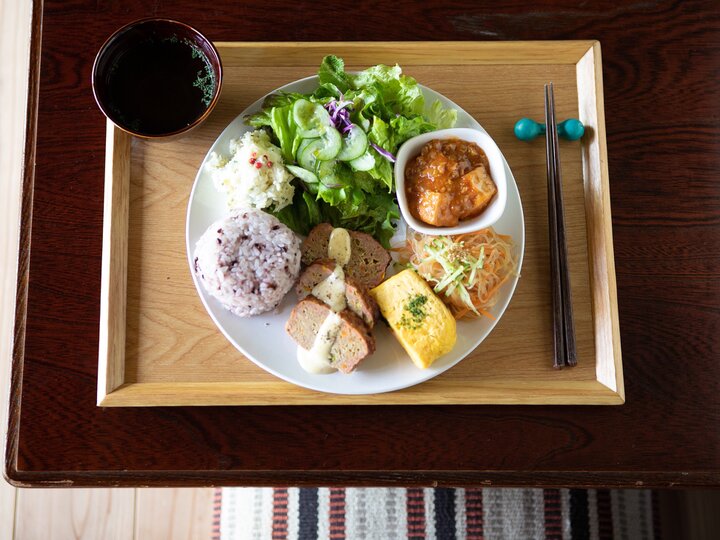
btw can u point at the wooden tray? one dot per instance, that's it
(158, 346)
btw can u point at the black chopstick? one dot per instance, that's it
(565, 353)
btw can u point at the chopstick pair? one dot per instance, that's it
(565, 354)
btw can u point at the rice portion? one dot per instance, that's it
(254, 175)
(248, 261)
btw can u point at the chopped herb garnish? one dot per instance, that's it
(413, 312)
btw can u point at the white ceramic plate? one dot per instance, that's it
(263, 339)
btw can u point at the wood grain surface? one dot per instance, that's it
(15, 22)
(86, 514)
(61, 513)
(175, 355)
(38, 513)
(660, 61)
(113, 285)
(180, 514)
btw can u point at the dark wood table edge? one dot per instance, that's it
(63, 479)
(536, 479)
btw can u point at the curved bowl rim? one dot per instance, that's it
(129, 26)
(495, 209)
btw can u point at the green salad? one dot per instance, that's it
(339, 144)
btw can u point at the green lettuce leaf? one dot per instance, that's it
(373, 214)
(284, 128)
(404, 128)
(302, 213)
(379, 73)
(381, 134)
(390, 107)
(400, 93)
(439, 117)
(259, 119)
(332, 70)
(280, 99)
(325, 92)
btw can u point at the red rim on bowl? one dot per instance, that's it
(128, 37)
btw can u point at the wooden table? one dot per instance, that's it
(662, 102)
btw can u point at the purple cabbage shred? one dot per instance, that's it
(384, 153)
(340, 117)
(339, 114)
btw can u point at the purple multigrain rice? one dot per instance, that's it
(252, 265)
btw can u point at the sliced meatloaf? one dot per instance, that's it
(357, 297)
(352, 344)
(368, 259)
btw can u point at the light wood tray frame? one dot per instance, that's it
(158, 346)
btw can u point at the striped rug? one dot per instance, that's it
(432, 513)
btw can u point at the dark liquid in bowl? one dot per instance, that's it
(160, 86)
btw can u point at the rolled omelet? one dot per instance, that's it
(422, 324)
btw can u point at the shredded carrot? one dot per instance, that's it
(495, 251)
(486, 313)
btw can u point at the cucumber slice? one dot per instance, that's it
(303, 174)
(325, 148)
(328, 175)
(354, 144)
(301, 147)
(303, 113)
(313, 133)
(312, 118)
(363, 163)
(307, 153)
(332, 143)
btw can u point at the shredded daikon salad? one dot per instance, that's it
(465, 270)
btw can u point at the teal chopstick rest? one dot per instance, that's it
(571, 129)
(527, 129)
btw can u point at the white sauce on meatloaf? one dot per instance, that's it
(339, 248)
(317, 359)
(331, 290)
